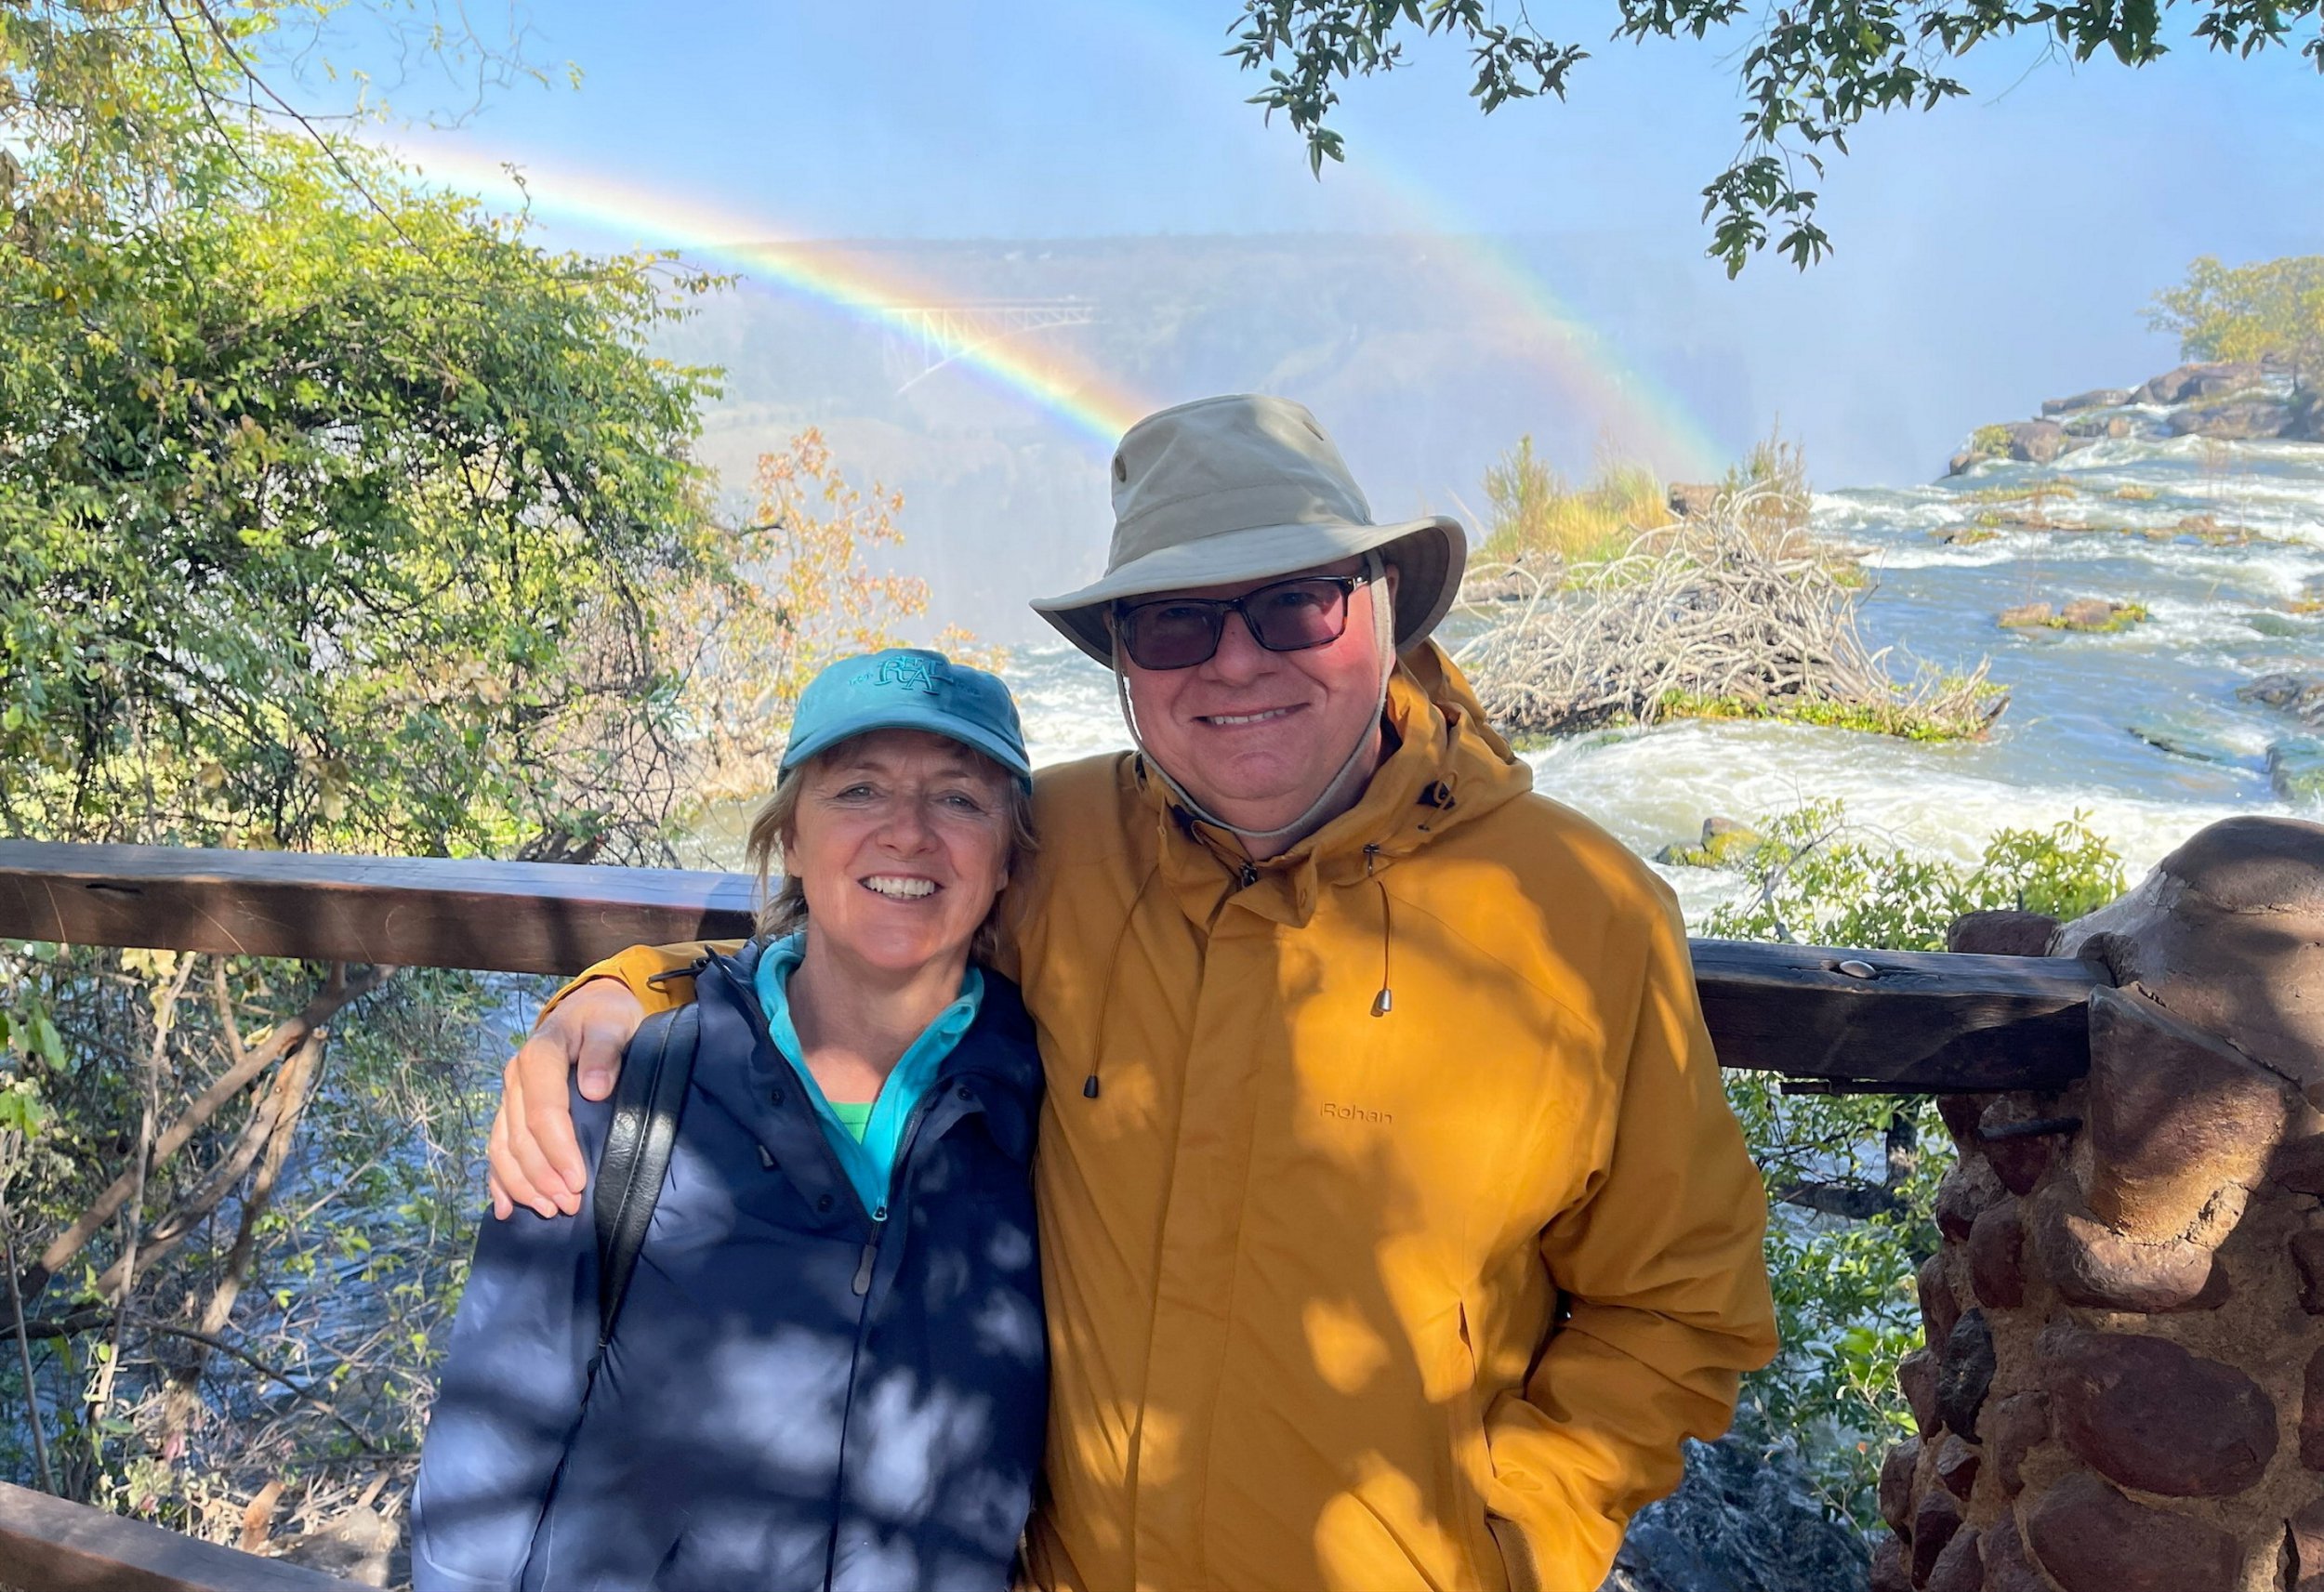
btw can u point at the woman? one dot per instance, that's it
(830, 1368)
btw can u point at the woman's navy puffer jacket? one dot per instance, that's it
(795, 1397)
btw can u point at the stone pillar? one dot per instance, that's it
(2123, 1387)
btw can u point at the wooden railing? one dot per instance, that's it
(1825, 1019)
(49, 1544)
(1888, 1020)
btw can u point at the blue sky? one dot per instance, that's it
(1994, 252)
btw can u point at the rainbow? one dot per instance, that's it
(1639, 417)
(1085, 400)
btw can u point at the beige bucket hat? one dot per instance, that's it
(1241, 488)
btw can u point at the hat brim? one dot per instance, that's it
(932, 722)
(1428, 554)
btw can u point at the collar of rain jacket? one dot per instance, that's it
(1450, 768)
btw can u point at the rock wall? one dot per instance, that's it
(2124, 1387)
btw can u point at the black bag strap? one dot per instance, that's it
(648, 1098)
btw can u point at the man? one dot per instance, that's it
(1394, 1228)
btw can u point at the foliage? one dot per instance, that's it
(2269, 308)
(1900, 718)
(1535, 513)
(330, 1258)
(1991, 442)
(2091, 617)
(1776, 463)
(794, 593)
(1811, 74)
(333, 514)
(1854, 1177)
(326, 504)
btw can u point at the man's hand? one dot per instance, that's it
(535, 1160)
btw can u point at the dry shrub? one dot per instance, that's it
(1733, 613)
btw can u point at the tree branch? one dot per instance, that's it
(1859, 1200)
(81, 1321)
(319, 1010)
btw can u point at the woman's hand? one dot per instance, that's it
(535, 1160)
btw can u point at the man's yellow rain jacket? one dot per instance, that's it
(1395, 1228)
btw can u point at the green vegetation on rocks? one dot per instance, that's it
(1854, 1177)
(1897, 718)
(1989, 442)
(2296, 768)
(1724, 844)
(2089, 615)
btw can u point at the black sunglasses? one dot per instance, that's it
(1290, 617)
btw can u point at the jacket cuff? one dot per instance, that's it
(660, 975)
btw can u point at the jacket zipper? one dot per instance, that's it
(864, 1269)
(766, 1037)
(867, 1263)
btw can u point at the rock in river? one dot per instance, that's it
(2188, 383)
(2096, 398)
(2243, 420)
(2089, 613)
(2295, 767)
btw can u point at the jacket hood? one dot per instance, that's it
(1448, 768)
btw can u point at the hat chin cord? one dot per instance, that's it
(1351, 775)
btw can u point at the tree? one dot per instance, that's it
(1812, 71)
(2271, 308)
(335, 515)
(795, 593)
(327, 506)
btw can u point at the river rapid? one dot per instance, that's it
(2140, 731)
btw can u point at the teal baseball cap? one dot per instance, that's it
(908, 687)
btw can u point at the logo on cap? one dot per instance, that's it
(909, 673)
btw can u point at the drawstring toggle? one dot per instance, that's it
(1384, 1002)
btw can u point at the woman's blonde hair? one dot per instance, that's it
(783, 906)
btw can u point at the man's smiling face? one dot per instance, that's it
(1255, 736)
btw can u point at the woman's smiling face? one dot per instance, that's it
(900, 843)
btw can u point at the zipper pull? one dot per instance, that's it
(1249, 877)
(864, 1268)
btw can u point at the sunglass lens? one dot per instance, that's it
(1297, 614)
(1171, 636)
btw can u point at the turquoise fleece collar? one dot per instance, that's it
(870, 1164)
